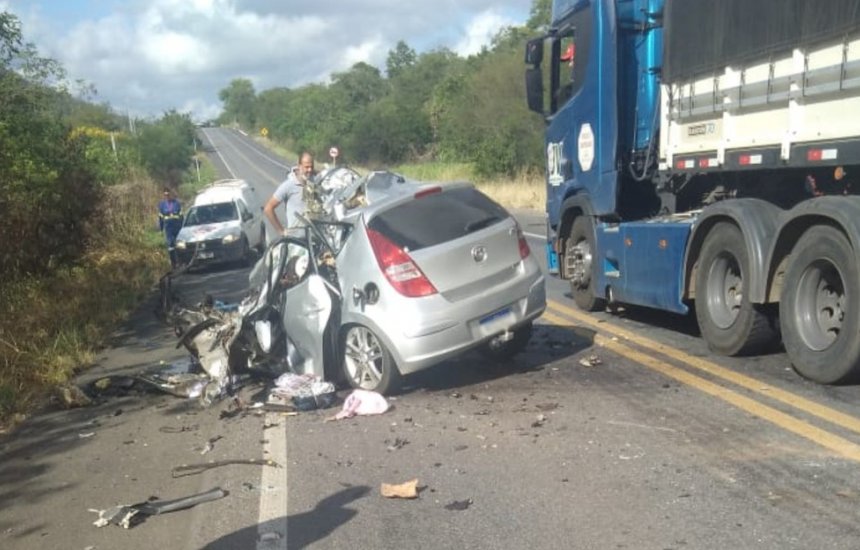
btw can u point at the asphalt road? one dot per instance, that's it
(611, 431)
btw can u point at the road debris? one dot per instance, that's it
(539, 421)
(86, 435)
(591, 361)
(398, 443)
(361, 403)
(127, 516)
(406, 490)
(194, 469)
(306, 391)
(72, 397)
(210, 444)
(181, 378)
(459, 505)
(178, 429)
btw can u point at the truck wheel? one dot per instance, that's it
(819, 308)
(729, 322)
(578, 265)
(503, 351)
(367, 363)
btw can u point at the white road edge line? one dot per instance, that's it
(262, 154)
(272, 524)
(217, 152)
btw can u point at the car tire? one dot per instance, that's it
(729, 322)
(504, 351)
(247, 254)
(367, 363)
(261, 246)
(578, 254)
(819, 308)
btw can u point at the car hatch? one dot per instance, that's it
(482, 257)
(459, 238)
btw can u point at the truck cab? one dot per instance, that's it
(693, 148)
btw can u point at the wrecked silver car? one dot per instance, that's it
(389, 276)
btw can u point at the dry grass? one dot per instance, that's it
(526, 189)
(51, 327)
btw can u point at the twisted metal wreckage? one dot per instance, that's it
(284, 324)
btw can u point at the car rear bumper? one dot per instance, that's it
(416, 346)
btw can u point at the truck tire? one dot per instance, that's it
(728, 321)
(578, 265)
(820, 307)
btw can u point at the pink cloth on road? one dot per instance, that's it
(362, 402)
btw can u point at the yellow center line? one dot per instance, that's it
(810, 407)
(838, 445)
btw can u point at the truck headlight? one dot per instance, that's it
(180, 245)
(230, 239)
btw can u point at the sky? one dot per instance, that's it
(145, 57)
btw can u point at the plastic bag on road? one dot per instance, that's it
(362, 402)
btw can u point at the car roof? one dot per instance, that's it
(221, 191)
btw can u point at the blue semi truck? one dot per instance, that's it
(706, 154)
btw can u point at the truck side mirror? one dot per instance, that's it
(534, 51)
(534, 89)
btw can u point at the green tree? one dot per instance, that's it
(166, 146)
(399, 59)
(239, 98)
(47, 191)
(482, 118)
(360, 86)
(539, 15)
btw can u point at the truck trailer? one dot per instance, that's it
(706, 155)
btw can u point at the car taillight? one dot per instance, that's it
(398, 267)
(524, 246)
(429, 191)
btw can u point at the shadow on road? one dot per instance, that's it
(303, 529)
(548, 344)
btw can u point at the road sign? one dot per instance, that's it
(333, 152)
(264, 132)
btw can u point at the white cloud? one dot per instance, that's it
(481, 29)
(152, 56)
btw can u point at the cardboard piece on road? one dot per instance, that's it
(408, 489)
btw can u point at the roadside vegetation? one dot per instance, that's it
(79, 245)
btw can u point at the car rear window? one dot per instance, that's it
(438, 218)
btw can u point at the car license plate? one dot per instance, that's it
(205, 255)
(496, 322)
